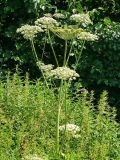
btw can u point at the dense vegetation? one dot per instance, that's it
(28, 124)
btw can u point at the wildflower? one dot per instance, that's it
(46, 68)
(33, 157)
(67, 32)
(28, 31)
(81, 18)
(87, 36)
(64, 73)
(46, 22)
(70, 128)
(59, 16)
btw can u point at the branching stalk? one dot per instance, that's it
(37, 60)
(52, 48)
(77, 61)
(65, 54)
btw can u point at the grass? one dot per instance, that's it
(28, 114)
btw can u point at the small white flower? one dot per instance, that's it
(33, 157)
(64, 73)
(46, 22)
(46, 68)
(28, 31)
(59, 16)
(70, 128)
(81, 18)
(87, 36)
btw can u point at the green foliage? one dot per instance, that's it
(102, 58)
(28, 119)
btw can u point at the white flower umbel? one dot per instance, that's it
(46, 68)
(70, 128)
(28, 31)
(46, 22)
(66, 33)
(81, 18)
(87, 36)
(64, 73)
(59, 16)
(33, 157)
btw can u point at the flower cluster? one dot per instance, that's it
(81, 18)
(46, 68)
(28, 31)
(59, 16)
(64, 73)
(46, 22)
(71, 129)
(87, 36)
(67, 32)
(32, 157)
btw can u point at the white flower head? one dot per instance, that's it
(33, 157)
(46, 22)
(87, 36)
(46, 68)
(81, 18)
(70, 128)
(28, 31)
(64, 73)
(67, 32)
(59, 15)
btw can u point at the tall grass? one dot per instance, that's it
(28, 123)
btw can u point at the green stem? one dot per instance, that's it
(65, 106)
(65, 54)
(52, 48)
(58, 117)
(34, 51)
(37, 60)
(69, 53)
(77, 61)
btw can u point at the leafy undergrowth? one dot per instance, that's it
(28, 124)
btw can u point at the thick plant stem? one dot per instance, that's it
(69, 53)
(58, 117)
(65, 102)
(37, 61)
(65, 54)
(52, 48)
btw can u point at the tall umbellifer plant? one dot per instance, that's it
(68, 32)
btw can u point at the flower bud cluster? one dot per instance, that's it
(28, 31)
(87, 36)
(59, 16)
(81, 18)
(32, 157)
(66, 33)
(71, 129)
(46, 68)
(64, 73)
(46, 22)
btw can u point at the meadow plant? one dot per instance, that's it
(44, 108)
